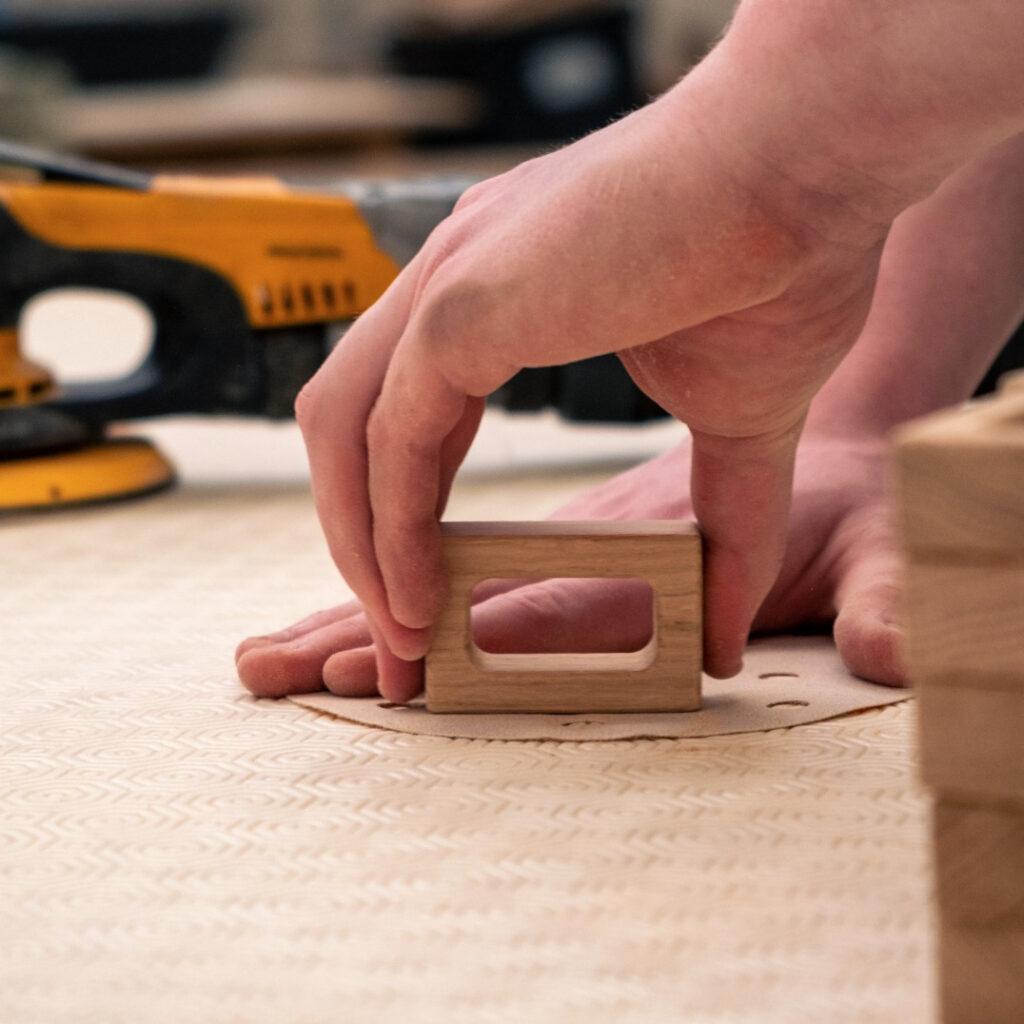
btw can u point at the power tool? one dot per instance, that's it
(249, 283)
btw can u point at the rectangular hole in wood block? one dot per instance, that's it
(548, 631)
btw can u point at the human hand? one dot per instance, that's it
(714, 232)
(840, 558)
(730, 312)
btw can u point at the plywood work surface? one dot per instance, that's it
(172, 850)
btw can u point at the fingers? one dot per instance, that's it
(352, 673)
(868, 636)
(398, 679)
(331, 648)
(418, 434)
(580, 616)
(456, 446)
(300, 628)
(741, 489)
(296, 665)
(867, 631)
(344, 655)
(333, 411)
(386, 431)
(590, 616)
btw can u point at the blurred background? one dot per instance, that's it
(315, 87)
(323, 91)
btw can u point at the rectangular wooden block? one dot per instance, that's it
(960, 487)
(981, 973)
(960, 478)
(971, 741)
(979, 863)
(965, 624)
(663, 676)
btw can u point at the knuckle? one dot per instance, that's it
(470, 196)
(306, 404)
(452, 304)
(463, 336)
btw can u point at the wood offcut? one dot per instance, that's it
(961, 482)
(665, 675)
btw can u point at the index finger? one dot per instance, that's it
(741, 489)
(332, 412)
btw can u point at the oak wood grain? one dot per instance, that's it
(663, 676)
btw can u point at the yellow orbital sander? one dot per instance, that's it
(250, 284)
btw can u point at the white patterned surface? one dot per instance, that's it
(174, 851)
(767, 694)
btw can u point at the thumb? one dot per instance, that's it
(868, 597)
(741, 490)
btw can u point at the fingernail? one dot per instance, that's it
(412, 646)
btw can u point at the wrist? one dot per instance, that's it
(791, 172)
(947, 298)
(847, 113)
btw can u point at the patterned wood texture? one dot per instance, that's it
(960, 477)
(172, 850)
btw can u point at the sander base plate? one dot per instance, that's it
(109, 470)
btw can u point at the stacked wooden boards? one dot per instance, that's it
(961, 484)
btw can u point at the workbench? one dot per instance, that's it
(172, 849)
